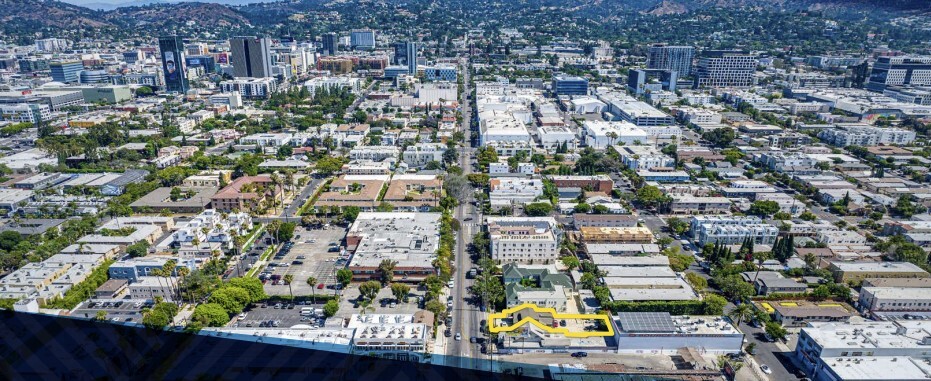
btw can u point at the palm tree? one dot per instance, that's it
(167, 269)
(287, 279)
(312, 282)
(182, 272)
(157, 273)
(741, 313)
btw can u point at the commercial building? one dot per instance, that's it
(448, 73)
(52, 45)
(604, 220)
(513, 191)
(25, 112)
(409, 239)
(66, 71)
(640, 81)
(731, 230)
(634, 111)
(251, 57)
(854, 271)
(677, 59)
(362, 39)
(900, 70)
(659, 332)
(801, 313)
(173, 64)
(531, 240)
(569, 85)
(725, 69)
(330, 44)
(193, 200)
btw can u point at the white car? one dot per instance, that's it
(458, 336)
(242, 316)
(765, 369)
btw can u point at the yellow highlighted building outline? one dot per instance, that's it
(552, 311)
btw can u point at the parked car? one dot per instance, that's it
(765, 368)
(458, 336)
(579, 354)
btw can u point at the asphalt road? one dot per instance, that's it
(466, 317)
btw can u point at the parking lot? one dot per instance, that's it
(313, 253)
(348, 302)
(286, 316)
(118, 310)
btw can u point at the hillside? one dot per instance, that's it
(47, 13)
(203, 15)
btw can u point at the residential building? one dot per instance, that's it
(151, 287)
(418, 155)
(864, 135)
(595, 183)
(253, 88)
(524, 239)
(677, 59)
(604, 220)
(636, 234)
(725, 69)
(541, 285)
(855, 271)
(895, 299)
(643, 157)
(245, 193)
(689, 204)
(511, 191)
(361, 191)
(600, 134)
(414, 193)
(868, 350)
(731, 230)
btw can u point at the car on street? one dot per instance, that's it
(765, 368)
(579, 354)
(458, 336)
(448, 333)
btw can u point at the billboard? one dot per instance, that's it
(173, 64)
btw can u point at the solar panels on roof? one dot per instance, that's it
(646, 322)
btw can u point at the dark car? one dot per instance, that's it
(448, 333)
(473, 339)
(580, 354)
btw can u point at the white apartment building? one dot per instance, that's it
(267, 139)
(420, 154)
(510, 191)
(211, 226)
(601, 135)
(643, 157)
(251, 87)
(25, 112)
(551, 137)
(731, 230)
(374, 153)
(533, 240)
(698, 116)
(231, 100)
(864, 135)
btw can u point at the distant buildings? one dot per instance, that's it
(254, 88)
(569, 85)
(330, 44)
(901, 70)
(673, 58)
(173, 65)
(362, 39)
(725, 69)
(66, 71)
(865, 135)
(250, 57)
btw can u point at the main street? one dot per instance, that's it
(466, 317)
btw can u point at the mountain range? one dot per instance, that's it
(25, 18)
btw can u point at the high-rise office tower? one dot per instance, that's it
(725, 68)
(362, 39)
(251, 57)
(400, 53)
(330, 44)
(902, 70)
(172, 50)
(672, 58)
(66, 71)
(411, 57)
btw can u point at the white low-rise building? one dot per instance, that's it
(601, 135)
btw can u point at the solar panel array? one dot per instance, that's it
(646, 322)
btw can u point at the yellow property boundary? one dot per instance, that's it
(552, 311)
